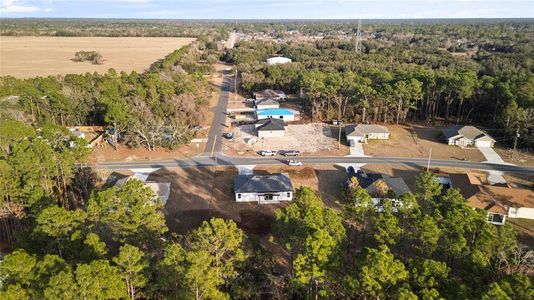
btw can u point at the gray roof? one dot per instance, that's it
(396, 184)
(274, 183)
(469, 132)
(363, 129)
(270, 124)
(267, 101)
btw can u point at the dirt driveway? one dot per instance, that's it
(415, 141)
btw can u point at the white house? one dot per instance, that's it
(278, 60)
(276, 113)
(161, 190)
(373, 184)
(362, 132)
(270, 128)
(264, 189)
(266, 103)
(464, 136)
(272, 94)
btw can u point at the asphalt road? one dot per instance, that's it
(213, 156)
(214, 144)
(220, 159)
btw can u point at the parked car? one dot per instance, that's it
(228, 135)
(267, 153)
(291, 153)
(294, 163)
(196, 127)
(337, 122)
(250, 100)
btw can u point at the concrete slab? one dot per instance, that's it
(245, 169)
(490, 155)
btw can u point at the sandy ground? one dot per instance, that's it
(42, 56)
(310, 139)
(416, 141)
(520, 158)
(123, 153)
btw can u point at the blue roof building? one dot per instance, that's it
(276, 113)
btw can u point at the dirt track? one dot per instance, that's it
(26, 57)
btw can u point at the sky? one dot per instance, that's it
(267, 9)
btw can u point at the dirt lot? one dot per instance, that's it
(197, 194)
(310, 139)
(519, 158)
(416, 141)
(41, 56)
(123, 153)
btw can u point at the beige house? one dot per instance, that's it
(272, 94)
(362, 132)
(464, 136)
(266, 103)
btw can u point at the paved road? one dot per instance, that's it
(220, 159)
(214, 144)
(213, 156)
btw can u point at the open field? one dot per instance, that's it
(415, 141)
(26, 57)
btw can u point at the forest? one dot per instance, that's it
(481, 74)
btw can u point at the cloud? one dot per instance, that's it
(16, 6)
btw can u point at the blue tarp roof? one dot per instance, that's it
(275, 112)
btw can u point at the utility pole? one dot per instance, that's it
(516, 137)
(428, 164)
(339, 137)
(358, 46)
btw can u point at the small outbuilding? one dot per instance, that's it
(264, 189)
(266, 103)
(278, 60)
(270, 128)
(272, 94)
(362, 132)
(276, 113)
(464, 136)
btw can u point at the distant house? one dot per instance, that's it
(464, 136)
(278, 60)
(272, 94)
(380, 187)
(162, 190)
(266, 103)
(362, 132)
(500, 202)
(276, 113)
(270, 128)
(264, 189)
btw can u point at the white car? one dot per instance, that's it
(294, 163)
(250, 100)
(267, 153)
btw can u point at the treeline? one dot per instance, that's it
(153, 109)
(117, 246)
(402, 81)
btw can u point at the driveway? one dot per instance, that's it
(491, 156)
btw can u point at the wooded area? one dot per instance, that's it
(408, 73)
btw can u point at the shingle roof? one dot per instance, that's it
(469, 132)
(267, 101)
(270, 125)
(363, 129)
(275, 183)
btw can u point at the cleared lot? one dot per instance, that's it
(416, 141)
(312, 138)
(42, 56)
